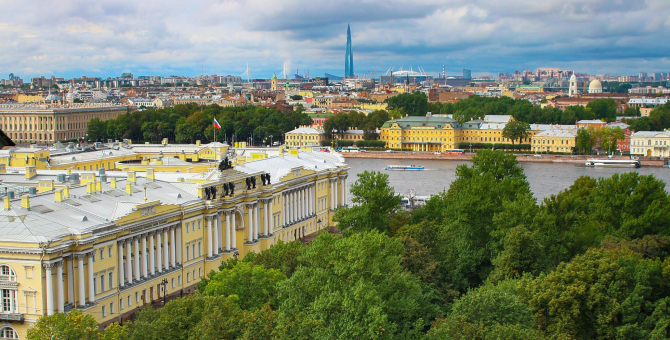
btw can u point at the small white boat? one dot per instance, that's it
(404, 167)
(614, 163)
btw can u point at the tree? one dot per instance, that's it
(296, 97)
(604, 109)
(73, 325)
(397, 113)
(631, 112)
(353, 288)
(584, 141)
(413, 104)
(609, 136)
(374, 201)
(97, 130)
(516, 130)
(252, 286)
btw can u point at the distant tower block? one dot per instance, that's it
(349, 57)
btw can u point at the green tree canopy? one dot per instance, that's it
(516, 130)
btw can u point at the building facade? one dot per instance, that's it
(110, 243)
(51, 123)
(558, 140)
(650, 143)
(305, 136)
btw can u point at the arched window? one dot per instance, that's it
(7, 273)
(8, 333)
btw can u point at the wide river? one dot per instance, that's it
(545, 178)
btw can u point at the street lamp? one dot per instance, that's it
(164, 283)
(270, 140)
(470, 147)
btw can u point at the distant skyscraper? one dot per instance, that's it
(467, 74)
(349, 57)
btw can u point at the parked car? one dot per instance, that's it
(389, 150)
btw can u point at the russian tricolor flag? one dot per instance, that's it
(216, 124)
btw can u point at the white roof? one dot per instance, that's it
(305, 131)
(646, 134)
(504, 119)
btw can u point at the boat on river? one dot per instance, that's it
(404, 167)
(613, 163)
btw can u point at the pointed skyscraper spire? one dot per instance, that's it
(349, 57)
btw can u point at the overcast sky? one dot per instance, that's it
(167, 37)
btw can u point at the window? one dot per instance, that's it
(102, 254)
(8, 274)
(111, 308)
(193, 274)
(102, 283)
(111, 280)
(188, 277)
(93, 257)
(193, 252)
(137, 297)
(188, 253)
(198, 224)
(121, 304)
(173, 282)
(8, 333)
(103, 312)
(94, 286)
(193, 225)
(130, 303)
(199, 272)
(179, 280)
(199, 248)
(109, 252)
(187, 228)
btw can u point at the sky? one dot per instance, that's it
(71, 38)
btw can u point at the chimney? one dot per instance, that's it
(98, 186)
(25, 202)
(8, 203)
(197, 143)
(112, 183)
(59, 195)
(150, 174)
(90, 187)
(3, 168)
(132, 177)
(31, 171)
(129, 189)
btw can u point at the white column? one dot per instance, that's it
(215, 238)
(70, 280)
(173, 248)
(209, 236)
(143, 256)
(120, 273)
(50, 295)
(266, 224)
(250, 224)
(159, 257)
(344, 191)
(91, 285)
(332, 195)
(301, 198)
(233, 231)
(152, 257)
(283, 210)
(337, 192)
(272, 219)
(294, 206)
(179, 249)
(228, 231)
(257, 219)
(82, 282)
(220, 241)
(137, 257)
(59, 287)
(166, 248)
(129, 264)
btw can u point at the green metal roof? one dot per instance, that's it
(418, 121)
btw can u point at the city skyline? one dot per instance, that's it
(103, 39)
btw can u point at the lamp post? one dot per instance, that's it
(318, 225)
(164, 283)
(270, 140)
(470, 147)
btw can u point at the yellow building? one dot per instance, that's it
(557, 139)
(305, 136)
(108, 243)
(26, 98)
(650, 143)
(421, 133)
(50, 123)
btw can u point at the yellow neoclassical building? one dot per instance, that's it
(650, 143)
(557, 139)
(109, 242)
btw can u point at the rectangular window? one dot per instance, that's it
(188, 253)
(188, 277)
(102, 283)
(111, 308)
(6, 300)
(199, 249)
(94, 287)
(187, 228)
(198, 224)
(103, 311)
(193, 225)
(193, 251)
(137, 297)
(179, 280)
(93, 257)
(109, 252)
(173, 282)
(102, 254)
(121, 304)
(111, 280)
(130, 303)
(193, 274)
(199, 272)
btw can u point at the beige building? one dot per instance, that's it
(650, 143)
(50, 123)
(557, 139)
(305, 136)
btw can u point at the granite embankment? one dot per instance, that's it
(645, 161)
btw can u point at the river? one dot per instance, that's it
(545, 178)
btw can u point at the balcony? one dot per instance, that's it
(11, 317)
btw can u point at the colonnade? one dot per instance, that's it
(298, 204)
(57, 303)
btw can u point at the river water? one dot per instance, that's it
(545, 178)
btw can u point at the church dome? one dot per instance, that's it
(595, 86)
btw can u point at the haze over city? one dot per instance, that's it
(73, 38)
